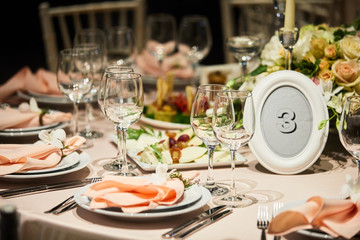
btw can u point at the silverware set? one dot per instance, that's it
(263, 218)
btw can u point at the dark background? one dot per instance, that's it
(21, 38)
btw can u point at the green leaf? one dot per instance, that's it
(157, 152)
(260, 69)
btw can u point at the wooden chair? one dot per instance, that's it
(238, 16)
(59, 24)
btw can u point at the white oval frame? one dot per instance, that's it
(316, 143)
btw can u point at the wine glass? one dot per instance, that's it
(122, 97)
(195, 39)
(92, 37)
(349, 129)
(234, 124)
(75, 74)
(121, 46)
(160, 36)
(244, 48)
(201, 123)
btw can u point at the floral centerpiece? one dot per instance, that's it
(329, 56)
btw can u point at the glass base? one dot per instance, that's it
(91, 134)
(116, 167)
(235, 201)
(216, 189)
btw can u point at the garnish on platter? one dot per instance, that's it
(168, 105)
(149, 148)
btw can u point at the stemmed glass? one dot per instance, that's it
(122, 97)
(195, 39)
(121, 46)
(75, 74)
(244, 48)
(201, 123)
(349, 129)
(234, 124)
(92, 37)
(160, 36)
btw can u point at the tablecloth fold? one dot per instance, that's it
(336, 217)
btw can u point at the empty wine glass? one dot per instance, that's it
(160, 36)
(234, 124)
(349, 129)
(75, 74)
(244, 48)
(121, 46)
(122, 97)
(95, 37)
(195, 39)
(201, 123)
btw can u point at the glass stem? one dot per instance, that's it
(119, 155)
(233, 187)
(76, 116)
(122, 133)
(358, 168)
(87, 117)
(288, 57)
(210, 174)
(243, 65)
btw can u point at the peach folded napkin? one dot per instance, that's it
(20, 157)
(176, 63)
(135, 195)
(13, 118)
(336, 217)
(43, 82)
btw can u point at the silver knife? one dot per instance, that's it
(45, 188)
(202, 216)
(203, 224)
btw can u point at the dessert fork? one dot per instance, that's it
(263, 220)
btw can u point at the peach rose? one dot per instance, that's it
(350, 47)
(326, 75)
(330, 51)
(317, 46)
(346, 72)
(324, 64)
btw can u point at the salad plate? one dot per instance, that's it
(84, 161)
(201, 201)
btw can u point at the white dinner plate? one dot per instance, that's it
(70, 161)
(83, 202)
(43, 98)
(162, 124)
(84, 161)
(33, 131)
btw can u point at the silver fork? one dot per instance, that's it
(276, 207)
(263, 220)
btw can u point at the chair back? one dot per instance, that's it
(59, 24)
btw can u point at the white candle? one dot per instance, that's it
(289, 15)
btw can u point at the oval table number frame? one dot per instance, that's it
(289, 108)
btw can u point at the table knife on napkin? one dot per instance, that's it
(45, 188)
(207, 214)
(203, 224)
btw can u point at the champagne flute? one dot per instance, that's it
(95, 37)
(234, 124)
(122, 97)
(160, 36)
(195, 39)
(349, 129)
(75, 74)
(201, 123)
(121, 46)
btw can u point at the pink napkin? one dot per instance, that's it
(13, 118)
(42, 82)
(175, 63)
(20, 157)
(334, 216)
(135, 195)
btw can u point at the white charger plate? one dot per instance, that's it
(84, 161)
(70, 161)
(83, 202)
(33, 131)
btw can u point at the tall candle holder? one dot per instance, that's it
(288, 38)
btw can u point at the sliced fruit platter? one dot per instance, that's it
(178, 149)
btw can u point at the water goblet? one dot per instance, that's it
(233, 125)
(95, 37)
(122, 97)
(121, 46)
(75, 74)
(201, 123)
(349, 129)
(160, 36)
(195, 39)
